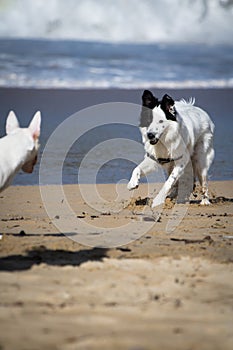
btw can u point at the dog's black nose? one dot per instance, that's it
(150, 135)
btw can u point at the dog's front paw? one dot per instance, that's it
(158, 201)
(134, 181)
(132, 185)
(205, 201)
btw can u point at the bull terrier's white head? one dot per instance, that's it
(29, 137)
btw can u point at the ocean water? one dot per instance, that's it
(51, 55)
(76, 64)
(122, 44)
(106, 152)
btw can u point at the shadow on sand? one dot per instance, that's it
(50, 257)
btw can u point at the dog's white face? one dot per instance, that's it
(158, 125)
(29, 136)
(29, 165)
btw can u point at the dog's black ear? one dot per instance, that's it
(149, 100)
(167, 102)
(167, 105)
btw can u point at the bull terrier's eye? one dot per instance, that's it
(160, 121)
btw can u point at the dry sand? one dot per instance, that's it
(161, 291)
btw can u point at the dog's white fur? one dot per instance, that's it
(19, 148)
(191, 136)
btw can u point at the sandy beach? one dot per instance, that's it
(86, 264)
(161, 291)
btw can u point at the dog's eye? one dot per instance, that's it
(160, 121)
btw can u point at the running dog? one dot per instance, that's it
(173, 133)
(18, 149)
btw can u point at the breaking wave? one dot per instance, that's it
(200, 21)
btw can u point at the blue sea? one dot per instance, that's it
(67, 56)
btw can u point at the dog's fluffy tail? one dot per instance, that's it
(190, 102)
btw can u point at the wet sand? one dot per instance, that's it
(161, 291)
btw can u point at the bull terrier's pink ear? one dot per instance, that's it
(11, 122)
(34, 126)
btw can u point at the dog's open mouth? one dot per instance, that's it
(154, 141)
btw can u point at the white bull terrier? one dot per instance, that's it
(19, 148)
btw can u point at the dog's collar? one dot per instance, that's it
(162, 161)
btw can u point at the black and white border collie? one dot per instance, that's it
(173, 133)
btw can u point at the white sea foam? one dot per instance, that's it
(208, 21)
(22, 81)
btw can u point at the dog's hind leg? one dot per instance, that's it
(203, 160)
(195, 176)
(144, 168)
(204, 176)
